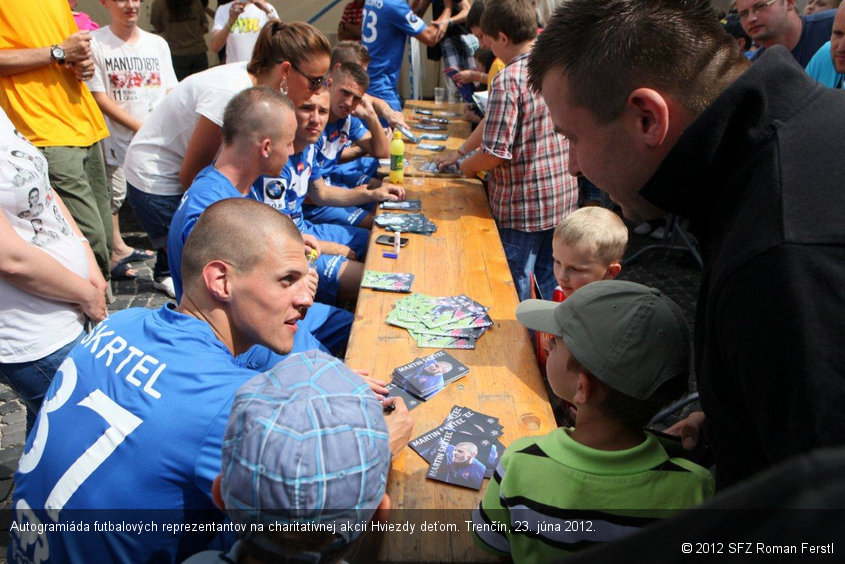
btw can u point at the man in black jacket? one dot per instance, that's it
(662, 111)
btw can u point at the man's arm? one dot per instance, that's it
(322, 194)
(469, 145)
(223, 27)
(432, 34)
(77, 48)
(497, 138)
(202, 148)
(30, 269)
(115, 112)
(383, 109)
(374, 142)
(480, 162)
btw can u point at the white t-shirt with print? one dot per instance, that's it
(244, 33)
(156, 152)
(32, 327)
(134, 76)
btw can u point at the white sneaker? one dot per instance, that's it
(165, 285)
(658, 233)
(643, 228)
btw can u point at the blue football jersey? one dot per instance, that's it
(384, 26)
(287, 192)
(208, 187)
(336, 137)
(133, 421)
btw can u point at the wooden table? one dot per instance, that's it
(464, 255)
(457, 130)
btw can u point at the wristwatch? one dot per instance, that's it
(57, 54)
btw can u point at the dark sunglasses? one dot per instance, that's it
(314, 83)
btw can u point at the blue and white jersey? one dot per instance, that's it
(336, 137)
(287, 192)
(133, 421)
(208, 187)
(384, 27)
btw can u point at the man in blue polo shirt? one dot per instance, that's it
(828, 64)
(384, 28)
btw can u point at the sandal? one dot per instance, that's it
(121, 272)
(138, 255)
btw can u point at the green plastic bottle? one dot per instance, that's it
(397, 158)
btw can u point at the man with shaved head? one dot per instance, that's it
(748, 153)
(136, 414)
(258, 133)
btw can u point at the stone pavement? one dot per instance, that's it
(671, 272)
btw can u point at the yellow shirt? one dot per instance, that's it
(494, 70)
(47, 105)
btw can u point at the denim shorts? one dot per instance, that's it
(154, 213)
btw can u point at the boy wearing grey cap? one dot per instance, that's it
(306, 451)
(620, 352)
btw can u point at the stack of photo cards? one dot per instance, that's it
(464, 449)
(387, 281)
(394, 391)
(407, 205)
(424, 377)
(453, 322)
(406, 223)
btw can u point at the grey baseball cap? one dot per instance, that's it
(306, 442)
(629, 336)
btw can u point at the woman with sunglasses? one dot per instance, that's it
(182, 135)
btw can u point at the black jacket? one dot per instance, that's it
(761, 172)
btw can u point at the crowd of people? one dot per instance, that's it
(256, 182)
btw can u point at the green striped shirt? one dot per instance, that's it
(551, 496)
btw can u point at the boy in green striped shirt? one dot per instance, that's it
(620, 352)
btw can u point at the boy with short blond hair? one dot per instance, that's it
(621, 352)
(588, 245)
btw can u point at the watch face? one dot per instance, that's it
(58, 53)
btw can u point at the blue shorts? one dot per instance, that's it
(329, 325)
(154, 212)
(354, 173)
(353, 237)
(328, 269)
(328, 266)
(352, 215)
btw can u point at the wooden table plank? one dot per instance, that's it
(464, 255)
(458, 130)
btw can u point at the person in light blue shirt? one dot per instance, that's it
(386, 25)
(828, 65)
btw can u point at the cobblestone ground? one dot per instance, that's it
(673, 272)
